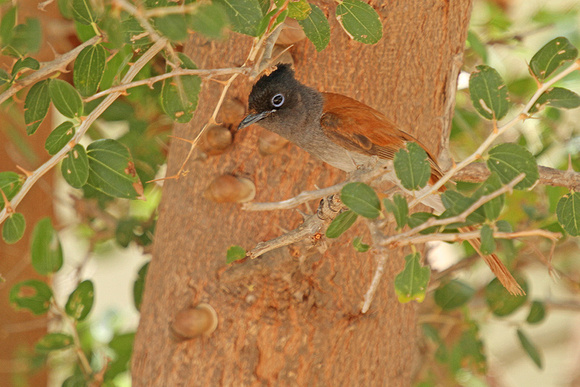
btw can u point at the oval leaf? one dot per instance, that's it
(488, 93)
(179, 96)
(65, 98)
(46, 250)
(235, 253)
(412, 166)
(530, 348)
(500, 301)
(537, 313)
(80, 302)
(245, 15)
(299, 10)
(10, 183)
(53, 342)
(492, 208)
(111, 170)
(59, 137)
(139, 286)
(32, 295)
(362, 199)
(557, 97)
(509, 160)
(551, 56)
(453, 295)
(316, 28)
(411, 283)
(360, 21)
(83, 12)
(25, 63)
(89, 68)
(487, 242)
(36, 106)
(13, 228)
(340, 224)
(75, 167)
(210, 20)
(173, 27)
(399, 208)
(568, 211)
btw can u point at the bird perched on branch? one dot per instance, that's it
(340, 131)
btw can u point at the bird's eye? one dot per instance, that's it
(277, 100)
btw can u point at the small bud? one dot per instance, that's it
(270, 143)
(215, 140)
(292, 33)
(232, 189)
(232, 112)
(194, 322)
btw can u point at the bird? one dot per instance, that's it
(340, 131)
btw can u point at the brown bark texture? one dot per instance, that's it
(292, 316)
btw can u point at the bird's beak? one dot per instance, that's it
(253, 118)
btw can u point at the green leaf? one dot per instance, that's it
(453, 294)
(340, 224)
(25, 63)
(568, 211)
(65, 98)
(112, 171)
(7, 25)
(557, 97)
(59, 137)
(45, 250)
(10, 183)
(504, 226)
(139, 286)
(492, 208)
(80, 302)
(500, 301)
(418, 218)
(399, 208)
(26, 38)
(4, 77)
(530, 348)
(245, 15)
(36, 105)
(235, 253)
(362, 199)
(13, 228)
(476, 45)
(537, 313)
(33, 295)
(487, 241)
(360, 21)
(53, 342)
(299, 10)
(115, 67)
(122, 347)
(555, 53)
(411, 283)
(266, 20)
(134, 33)
(75, 167)
(456, 203)
(488, 92)
(412, 166)
(173, 27)
(359, 245)
(509, 160)
(83, 12)
(88, 70)
(179, 95)
(316, 28)
(209, 20)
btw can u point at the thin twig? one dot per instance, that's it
(47, 68)
(464, 236)
(524, 114)
(54, 160)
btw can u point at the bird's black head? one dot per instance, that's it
(273, 97)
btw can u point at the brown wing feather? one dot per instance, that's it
(344, 119)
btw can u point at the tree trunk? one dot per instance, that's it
(292, 317)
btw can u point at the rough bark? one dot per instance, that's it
(292, 317)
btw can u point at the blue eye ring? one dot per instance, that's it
(278, 100)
